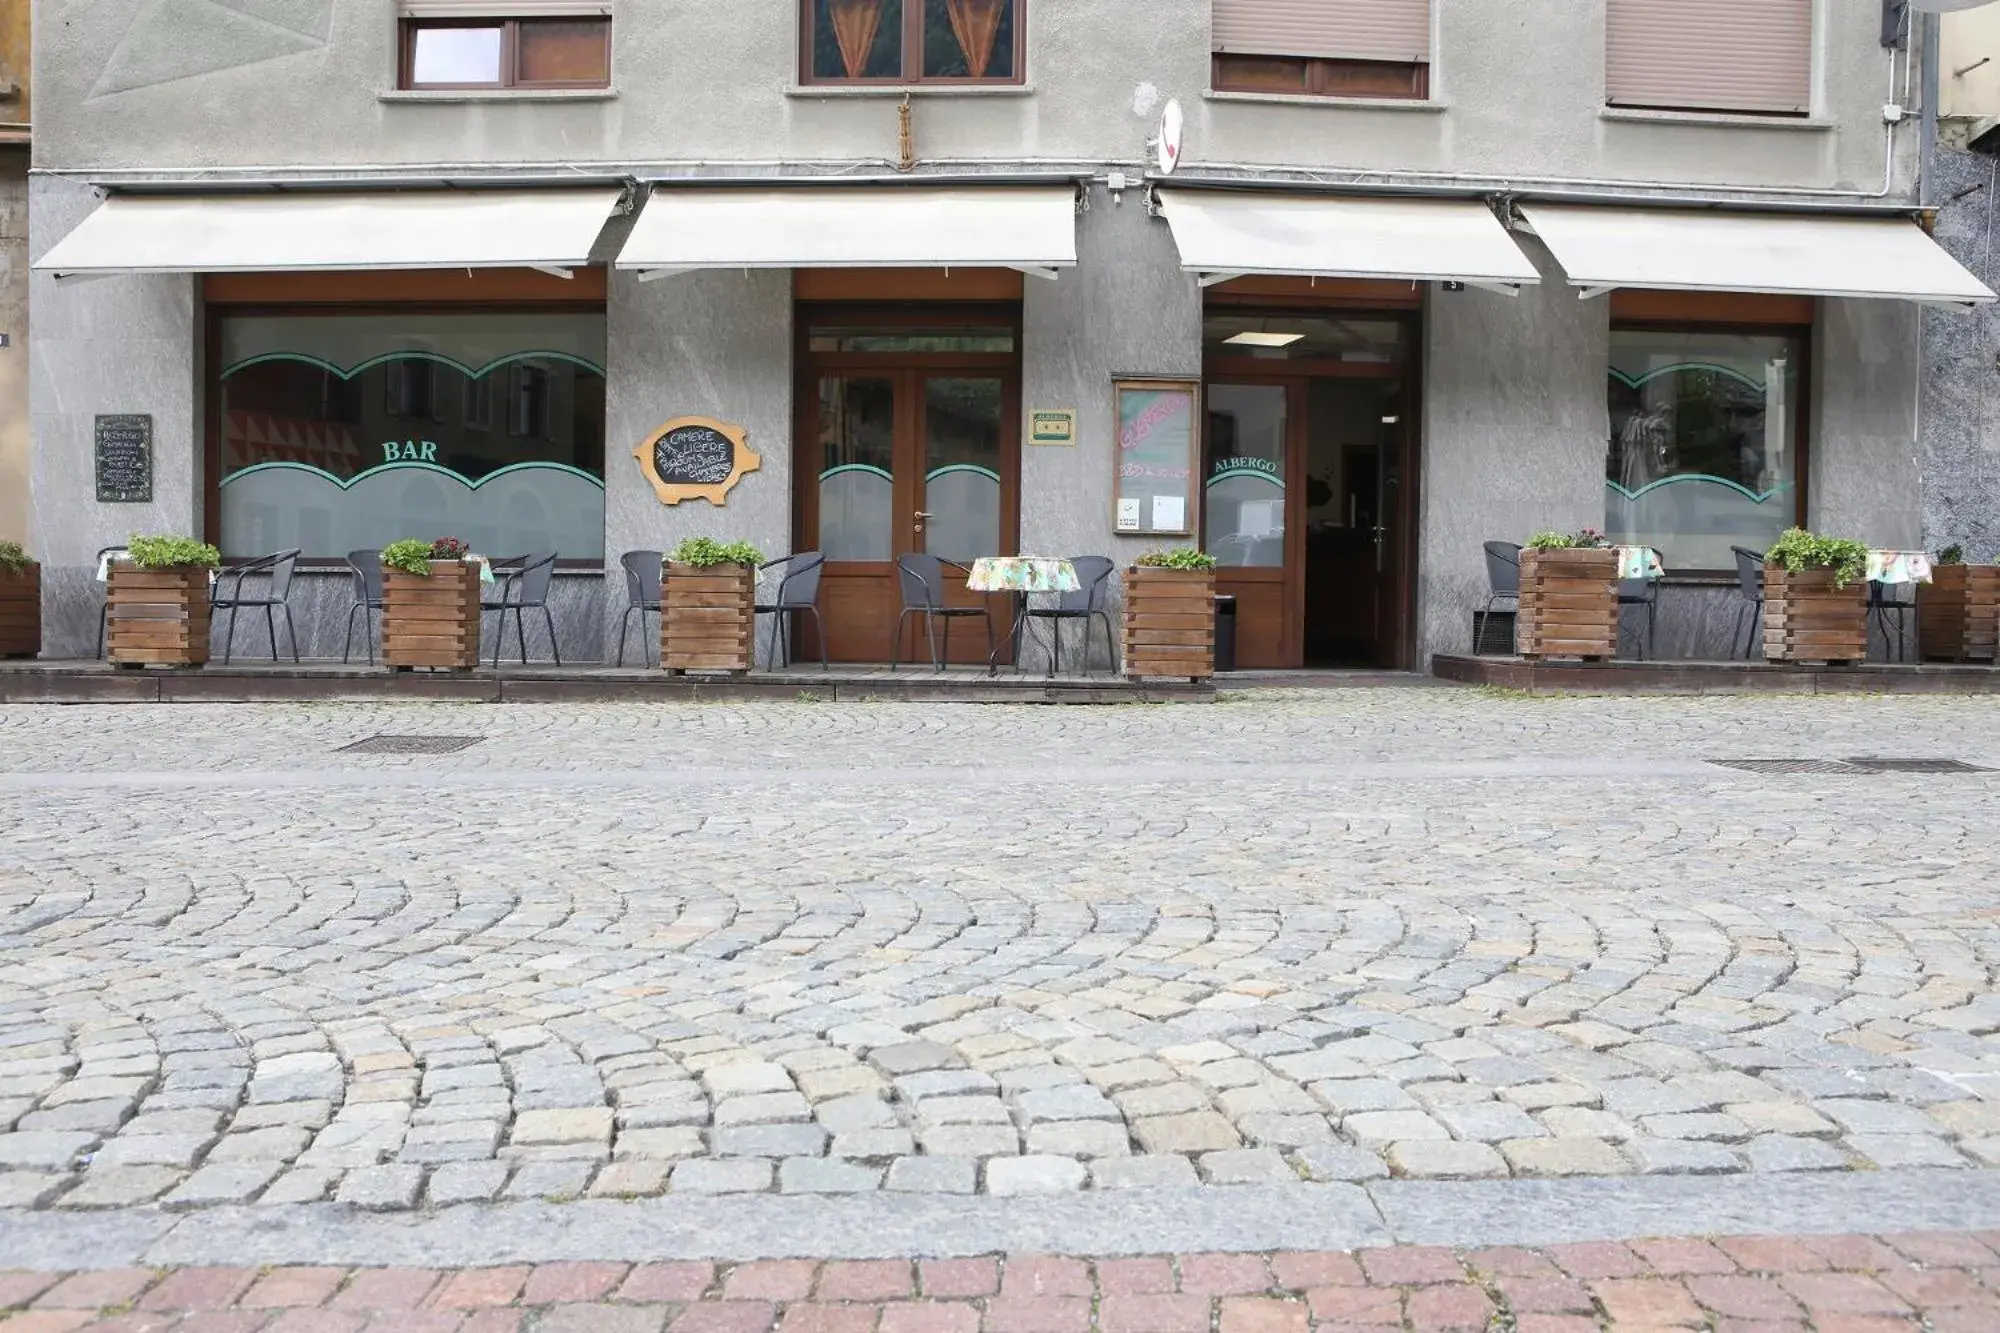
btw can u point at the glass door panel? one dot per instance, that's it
(960, 518)
(857, 479)
(1248, 440)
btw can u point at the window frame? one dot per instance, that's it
(1320, 73)
(510, 55)
(913, 49)
(1802, 335)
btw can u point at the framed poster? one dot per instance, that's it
(1159, 443)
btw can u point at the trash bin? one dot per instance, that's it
(1225, 634)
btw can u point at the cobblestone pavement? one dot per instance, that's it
(1922, 1283)
(631, 950)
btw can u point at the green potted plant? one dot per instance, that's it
(1958, 611)
(1170, 614)
(1815, 599)
(157, 602)
(430, 605)
(708, 606)
(1569, 597)
(20, 602)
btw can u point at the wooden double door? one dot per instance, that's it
(908, 442)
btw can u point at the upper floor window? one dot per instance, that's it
(1747, 56)
(446, 53)
(1346, 48)
(914, 41)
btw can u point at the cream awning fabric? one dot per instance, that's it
(312, 232)
(1796, 254)
(1229, 234)
(1030, 228)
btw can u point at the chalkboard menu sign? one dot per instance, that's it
(1158, 441)
(125, 460)
(696, 458)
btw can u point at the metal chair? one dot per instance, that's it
(279, 569)
(523, 587)
(1641, 592)
(1881, 606)
(1090, 602)
(1503, 584)
(104, 611)
(921, 577)
(642, 596)
(798, 590)
(366, 567)
(1749, 587)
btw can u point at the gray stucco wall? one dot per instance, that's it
(1961, 404)
(1519, 90)
(120, 345)
(699, 344)
(1863, 463)
(1515, 425)
(1126, 309)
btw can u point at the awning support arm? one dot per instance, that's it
(1592, 293)
(655, 274)
(1035, 271)
(1213, 279)
(1502, 288)
(554, 270)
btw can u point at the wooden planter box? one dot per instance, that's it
(21, 612)
(1569, 604)
(1807, 619)
(1169, 623)
(1958, 614)
(157, 617)
(431, 622)
(708, 619)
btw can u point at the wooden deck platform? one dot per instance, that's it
(1677, 677)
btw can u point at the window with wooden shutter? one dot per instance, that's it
(502, 44)
(1752, 56)
(1340, 48)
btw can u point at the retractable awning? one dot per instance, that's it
(1030, 228)
(552, 230)
(1230, 234)
(1797, 254)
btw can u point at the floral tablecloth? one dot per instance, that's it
(1639, 562)
(1899, 567)
(1022, 573)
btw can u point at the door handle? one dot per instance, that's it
(923, 516)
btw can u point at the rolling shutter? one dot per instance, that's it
(1390, 30)
(1710, 55)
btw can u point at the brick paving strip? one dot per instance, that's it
(1926, 1282)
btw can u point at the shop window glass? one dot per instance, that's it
(1704, 449)
(346, 432)
(913, 41)
(1245, 481)
(857, 479)
(962, 461)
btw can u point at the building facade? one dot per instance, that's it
(16, 81)
(1410, 276)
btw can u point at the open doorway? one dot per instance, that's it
(1309, 503)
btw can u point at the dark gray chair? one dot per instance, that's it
(1750, 588)
(1089, 603)
(1503, 584)
(798, 593)
(522, 584)
(104, 611)
(1643, 593)
(1881, 605)
(642, 598)
(228, 595)
(921, 577)
(366, 567)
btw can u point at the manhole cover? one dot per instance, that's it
(411, 745)
(1784, 766)
(1917, 766)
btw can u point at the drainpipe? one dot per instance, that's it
(1928, 131)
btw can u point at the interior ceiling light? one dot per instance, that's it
(1253, 338)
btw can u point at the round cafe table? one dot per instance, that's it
(1023, 576)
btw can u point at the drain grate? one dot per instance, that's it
(1849, 767)
(1787, 766)
(1917, 766)
(411, 745)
